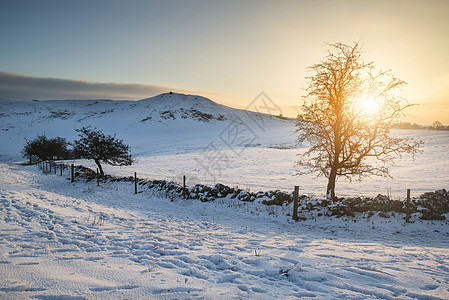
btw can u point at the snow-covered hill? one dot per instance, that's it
(169, 122)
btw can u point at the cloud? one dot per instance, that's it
(18, 86)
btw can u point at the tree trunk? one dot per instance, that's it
(99, 166)
(330, 192)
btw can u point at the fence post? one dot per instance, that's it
(55, 168)
(49, 167)
(407, 207)
(135, 182)
(184, 186)
(73, 173)
(62, 166)
(295, 203)
(98, 178)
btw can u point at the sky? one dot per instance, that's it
(229, 51)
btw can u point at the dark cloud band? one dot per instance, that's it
(13, 86)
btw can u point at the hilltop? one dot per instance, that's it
(170, 121)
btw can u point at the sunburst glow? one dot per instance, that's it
(368, 105)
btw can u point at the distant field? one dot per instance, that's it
(259, 168)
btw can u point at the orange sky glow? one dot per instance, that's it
(229, 51)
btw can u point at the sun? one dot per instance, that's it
(368, 105)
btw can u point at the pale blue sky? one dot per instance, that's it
(227, 50)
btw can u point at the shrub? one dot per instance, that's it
(43, 148)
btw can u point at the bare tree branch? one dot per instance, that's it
(340, 133)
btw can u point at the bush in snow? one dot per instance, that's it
(44, 148)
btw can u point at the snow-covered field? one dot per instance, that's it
(53, 246)
(271, 168)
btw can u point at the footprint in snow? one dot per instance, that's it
(107, 288)
(28, 264)
(22, 288)
(429, 287)
(93, 258)
(258, 290)
(228, 278)
(243, 287)
(59, 297)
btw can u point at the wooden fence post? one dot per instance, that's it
(184, 186)
(62, 166)
(98, 178)
(55, 168)
(73, 173)
(295, 203)
(135, 182)
(407, 207)
(49, 167)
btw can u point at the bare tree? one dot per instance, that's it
(437, 125)
(348, 112)
(94, 144)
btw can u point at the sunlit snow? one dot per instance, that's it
(151, 246)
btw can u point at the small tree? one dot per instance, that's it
(348, 112)
(94, 144)
(44, 148)
(437, 125)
